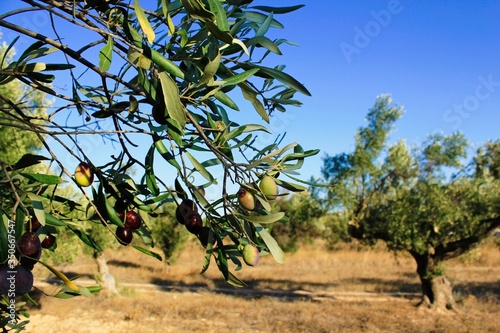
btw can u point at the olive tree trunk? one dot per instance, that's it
(107, 281)
(437, 291)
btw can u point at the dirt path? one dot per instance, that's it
(353, 296)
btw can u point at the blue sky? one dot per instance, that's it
(439, 59)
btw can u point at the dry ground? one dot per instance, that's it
(314, 291)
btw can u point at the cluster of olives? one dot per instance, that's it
(248, 202)
(187, 214)
(29, 250)
(267, 187)
(132, 221)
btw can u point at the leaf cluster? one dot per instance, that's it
(163, 85)
(423, 200)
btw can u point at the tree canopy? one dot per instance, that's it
(423, 200)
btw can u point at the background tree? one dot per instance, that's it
(161, 84)
(303, 225)
(169, 235)
(14, 142)
(424, 201)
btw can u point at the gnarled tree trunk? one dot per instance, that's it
(437, 291)
(107, 280)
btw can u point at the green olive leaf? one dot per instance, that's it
(271, 244)
(105, 55)
(173, 103)
(143, 21)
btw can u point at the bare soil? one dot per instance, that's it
(314, 291)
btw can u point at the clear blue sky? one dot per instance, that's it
(439, 59)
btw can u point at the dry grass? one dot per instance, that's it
(314, 291)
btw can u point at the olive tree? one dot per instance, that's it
(163, 87)
(424, 201)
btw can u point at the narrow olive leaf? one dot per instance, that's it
(58, 67)
(77, 100)
(148, 252)
(263, 219)
(259, 18)
(146, 236)
(196, 9)
(271, 244)
(94, 289)
(106, 55)
(96, 97)
(175, 131)
(264, 27)
(241, 77)
(165, 153)
(299, 156)
(255, 127)
(290, 186)
(150, 175)
(224, 99)
(143, 21)
(170, 24)
(45, 78)
(134, 104)
(28, 68)
(206, 261)
(241, 44)
(41, 178)
(200, 168)
(278, 10)
(234, 281)
(120, 106)
(102, 114)
(86, 239)
(34, 46)
(264, 203)
(210, 69)
(70, 284)
(178, 188)
(19, 222)
(83, 291)
(173, 103)
(251, 96)
(244, 129)
(131, 33)
(4, 242)
(111, 212)
(164, 8)
(139, 59)
(243, 142)
(284, 78)
(28, 160)
(222, 262)
(220, 14)
(53, 221)
(166, 64)
(35, 50)
(36, 202)
(66, 293)
(264, 42)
